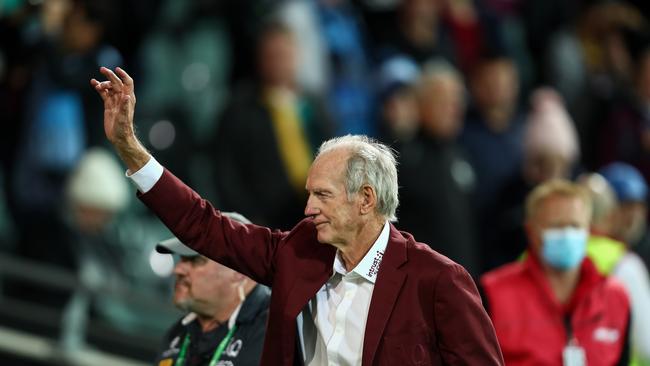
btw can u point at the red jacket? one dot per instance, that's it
(529, 321)
(425, 309)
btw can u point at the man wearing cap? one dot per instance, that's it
(632, 214)
(227, 312)
(630, 228)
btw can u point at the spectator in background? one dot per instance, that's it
(399, 115)
(16, 63)
(551, 147)
(541, 21)
(349, 94)
(626, 134)
(473, 31)
(71, 45)
(59, 119)
(493, 129)
(78, 238)
(226, 311)
(632, 213)
(550, 152)
(590, 64)
(267, 135)
(612, 257)
(186, 62)
(419, 33)
(331, 39)
(437, 181)
(96, 195)
(554, 307)
(602, 248)
(492, 133)
(302, 17)
(505, 21)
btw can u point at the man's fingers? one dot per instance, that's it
(111, 76)
(97, 85)
(128, 81)
(104, 85)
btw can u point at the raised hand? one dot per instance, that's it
(119, 105)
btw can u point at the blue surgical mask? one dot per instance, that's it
(564, 248)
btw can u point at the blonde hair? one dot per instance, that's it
(556, 187)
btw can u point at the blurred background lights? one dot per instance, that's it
(196, 76)
(162, 135)
(161, 264)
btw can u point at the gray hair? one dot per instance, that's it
(438, 68)
(603, 198)
(370, 162)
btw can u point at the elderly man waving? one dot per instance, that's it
(348, 288)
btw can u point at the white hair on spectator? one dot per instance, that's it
(438, 68)
(603, 198)
(370, 162)
(98, 181)
(549, 128)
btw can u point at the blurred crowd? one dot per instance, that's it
(482, 99)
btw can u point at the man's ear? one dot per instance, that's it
(368, 198)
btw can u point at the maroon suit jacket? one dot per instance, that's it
(425, 309)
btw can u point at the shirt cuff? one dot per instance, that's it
(145, 178)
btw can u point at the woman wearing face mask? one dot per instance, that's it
(554, 308)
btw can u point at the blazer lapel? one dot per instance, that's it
(315, 268)
(387, 287)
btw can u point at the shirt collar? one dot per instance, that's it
(369, 265)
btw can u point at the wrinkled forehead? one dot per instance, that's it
(331, 163)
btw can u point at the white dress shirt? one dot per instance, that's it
(145, 178)
(334, 322)
(332, 325)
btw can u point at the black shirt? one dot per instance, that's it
(245, 347)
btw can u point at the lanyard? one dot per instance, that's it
(568, 327)
(180, 361)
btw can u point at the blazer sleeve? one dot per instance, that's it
(248, 249)
(463, 328)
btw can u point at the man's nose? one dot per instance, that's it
(310, 210)
(181, 267)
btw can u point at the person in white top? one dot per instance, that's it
(371, 296)
(628, 224)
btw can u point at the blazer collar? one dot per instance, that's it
(389, 282)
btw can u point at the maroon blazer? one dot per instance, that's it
(425, 309)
